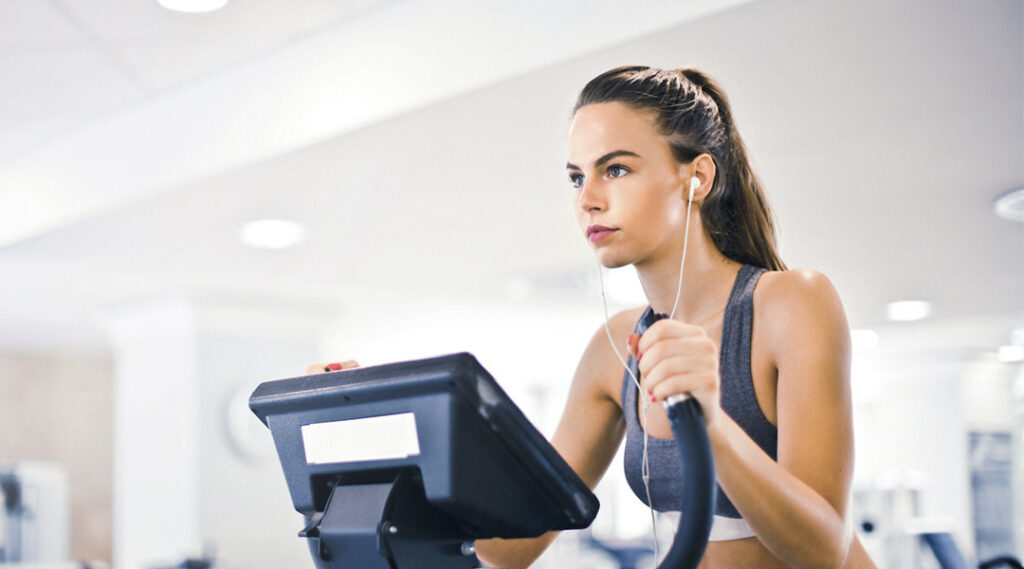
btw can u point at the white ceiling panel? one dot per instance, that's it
(96, 84)
(165, 48)
(36, 25)
(49, 93)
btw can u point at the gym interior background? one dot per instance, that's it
(409, 154)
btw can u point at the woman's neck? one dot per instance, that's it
(707, 280)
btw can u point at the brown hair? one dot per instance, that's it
(693, 113)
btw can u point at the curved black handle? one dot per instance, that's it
(699, 488)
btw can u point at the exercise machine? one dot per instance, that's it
(404, 465)
(35, 517)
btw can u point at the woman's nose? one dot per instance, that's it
(592, 197)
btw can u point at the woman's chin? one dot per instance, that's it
(609, 261)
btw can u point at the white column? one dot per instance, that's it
(156, 421)
(195, 472)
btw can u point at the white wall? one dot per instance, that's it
(531, 348)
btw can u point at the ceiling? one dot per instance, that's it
(422, 143)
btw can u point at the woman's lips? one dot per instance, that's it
(598, 232)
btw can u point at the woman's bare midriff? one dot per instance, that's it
(750, 553)
(737, 554)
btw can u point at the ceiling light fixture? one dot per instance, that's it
(908, 310)
(193, 6)
(1010, 354)
(864, 340)
(271, 233)
(1017, 336)
(1011, 205)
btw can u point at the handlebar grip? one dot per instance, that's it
(699, 487)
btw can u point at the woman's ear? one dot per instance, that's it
(703, 169)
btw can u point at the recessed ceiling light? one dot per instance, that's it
(908, 310)
(193, 6)
(271, 233)
(1011, 354)
(1017, 336)
(863, 340)
(1011, 205)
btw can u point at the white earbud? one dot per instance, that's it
(694, 184)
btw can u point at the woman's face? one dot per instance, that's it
(627, 181)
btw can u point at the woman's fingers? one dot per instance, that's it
(315, 368)
(700, 385)
(666, 329)
(673, 377)
(696, 351)
(695, 376)
(631, 343)
(664, 368)
(320, 367)
(674, 358)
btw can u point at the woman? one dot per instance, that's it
(775, 396)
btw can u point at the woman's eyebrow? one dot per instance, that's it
(603, 159)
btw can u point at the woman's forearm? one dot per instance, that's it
(793, 521)
(513, 553)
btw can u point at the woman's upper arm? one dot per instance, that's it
(810, 341)
(591, 427)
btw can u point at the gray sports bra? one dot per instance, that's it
(737, 399)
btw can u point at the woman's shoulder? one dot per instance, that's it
(794, 285)
(600, 365)
(620, 326)
(625, 321)
(796, 300)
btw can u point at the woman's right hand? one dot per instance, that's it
(318, 367)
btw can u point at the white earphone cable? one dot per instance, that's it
(645, 465)
(682, 263)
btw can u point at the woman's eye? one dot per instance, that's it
(616, 171)
(576, 179)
